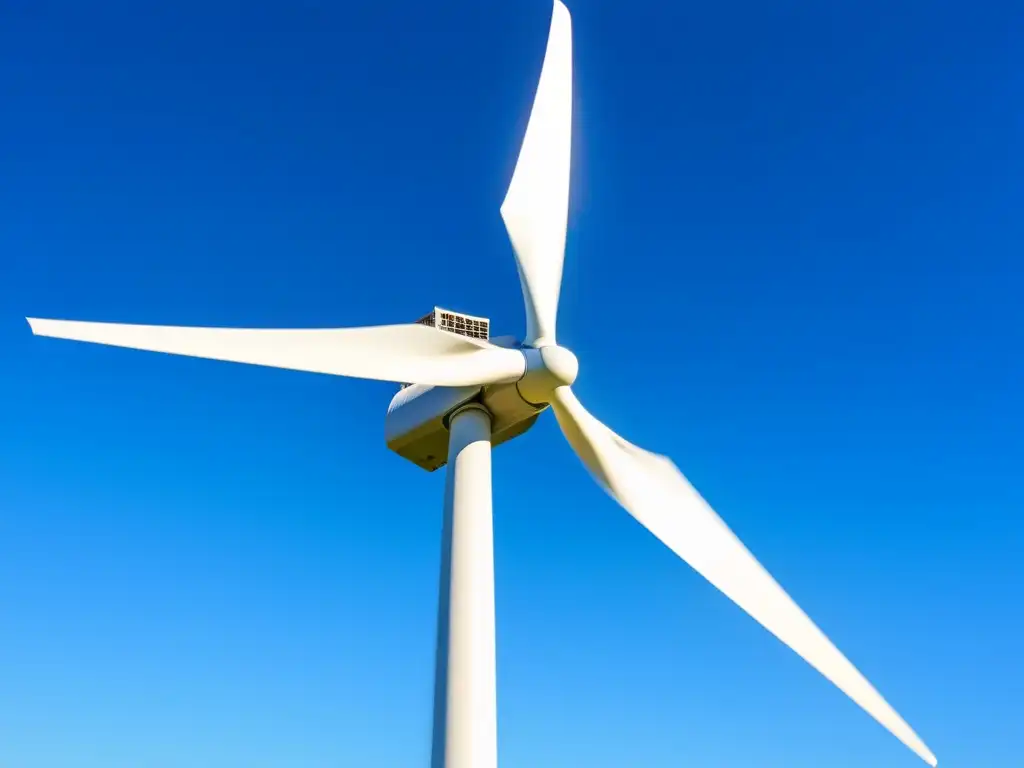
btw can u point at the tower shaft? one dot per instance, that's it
(465, 684)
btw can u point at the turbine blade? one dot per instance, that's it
(416, 354)
(652, 489)
(536, 204)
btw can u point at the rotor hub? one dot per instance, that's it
(547, 367)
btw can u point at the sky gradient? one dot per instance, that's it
(793, 265)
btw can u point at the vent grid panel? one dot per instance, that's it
(474, 327)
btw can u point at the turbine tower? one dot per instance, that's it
(463, 393)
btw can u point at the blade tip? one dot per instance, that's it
(44, 327)
(924, 753)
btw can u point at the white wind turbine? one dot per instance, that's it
(469, 394)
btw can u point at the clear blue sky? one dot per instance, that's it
(794, 265)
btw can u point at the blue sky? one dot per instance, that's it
(794, 265)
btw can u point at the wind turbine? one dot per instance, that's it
(462, 394)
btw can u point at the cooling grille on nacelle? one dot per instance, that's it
(456, 322)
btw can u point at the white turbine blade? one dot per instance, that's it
(536, 204)
(652, 490)
(416, 354)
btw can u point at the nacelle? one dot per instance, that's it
(416, 427)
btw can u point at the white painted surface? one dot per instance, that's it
(400, 353)
(536, 205)
(465, 685)
(654, 491)
(547, 369)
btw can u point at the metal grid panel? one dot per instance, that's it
(464, 325)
